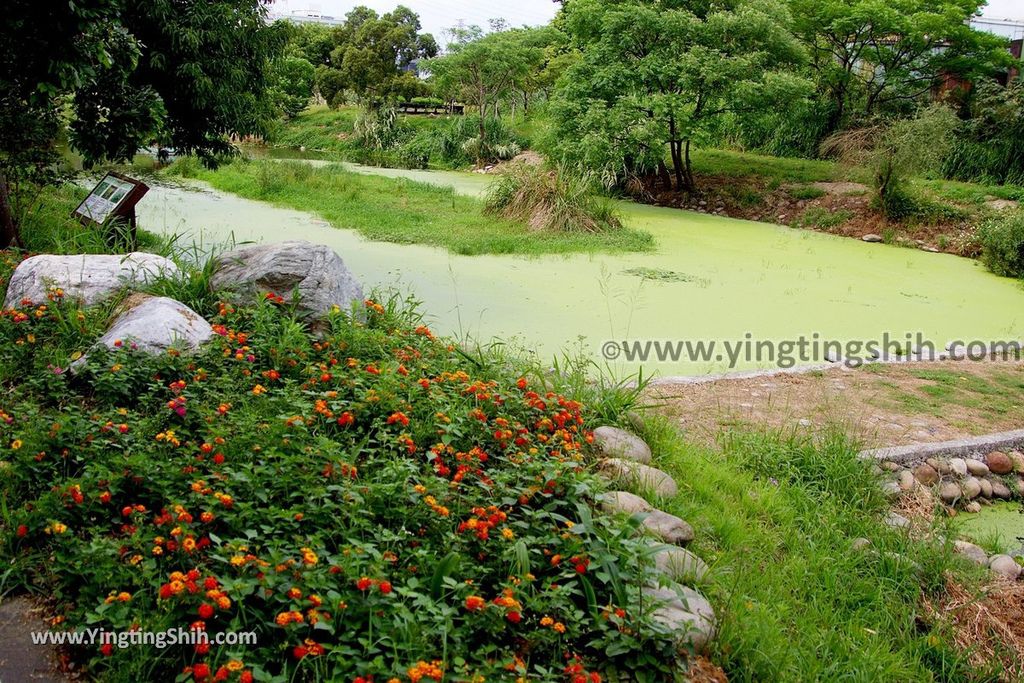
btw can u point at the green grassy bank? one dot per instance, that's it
(399, 210)
(775, 516)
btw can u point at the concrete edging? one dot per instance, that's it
(957, 448)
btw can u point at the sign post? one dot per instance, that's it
(113, 199)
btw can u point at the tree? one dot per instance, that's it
(484, 70)
(873, 55)
(312, 42)
(376, 56)
(190, 72)
(292, 79)
(654, 77)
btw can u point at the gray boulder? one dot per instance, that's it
(623, 502)
(613, 442)
(1000, 490)
(679, 564)
(926, 474)
(314, 271)
(154, 325)
(641, 476)
(668, 528)
(976, 467)
(972, 552)
(685, 612)
(1005, 566)
(87, 278)
(950, 492)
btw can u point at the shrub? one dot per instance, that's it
(1002, 242)
(896, 151)
(991, 147)
(550, 200)
(370, 502)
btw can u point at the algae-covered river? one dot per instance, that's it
(713, 278)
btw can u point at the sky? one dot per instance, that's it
(437, 15)
(1005, 9)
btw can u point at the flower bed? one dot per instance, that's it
(374, 504)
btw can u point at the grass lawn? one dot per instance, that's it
(399, 210)
(775, 517)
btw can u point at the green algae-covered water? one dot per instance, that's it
(710, 278)
(1002, 523)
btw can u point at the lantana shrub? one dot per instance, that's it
(373, 503)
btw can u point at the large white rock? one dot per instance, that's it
(685, 612)
(613, 442)
(88, 278)
(156, 324)
(314, 271)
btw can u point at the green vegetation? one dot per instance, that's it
(616, 113)
(489, 69)
(48, 226)
(821, 218)
(399, 210)
(776, 517)
(368, 57)
(551, 201)
(992, 146)
(370, 502)
(895, 152)
(114, 76)
(383, 137)
(1002, 240)
(292, 84)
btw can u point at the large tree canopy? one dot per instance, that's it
(654, 76)
(874, 55)
(189, 72)
(374, 56)
(484, 69)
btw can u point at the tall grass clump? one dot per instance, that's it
(1002, 243)
(896, 152)
(550, 201)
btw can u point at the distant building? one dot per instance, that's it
(1012, 30)
(305, 16)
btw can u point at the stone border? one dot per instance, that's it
(957, 448)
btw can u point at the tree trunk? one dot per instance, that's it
(666, 179)
(9, 236)
(481, 132)
(677, 164)
(690, 185)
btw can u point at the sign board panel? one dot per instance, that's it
(114, 196)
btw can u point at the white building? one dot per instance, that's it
(305, 16)
(1011, 29)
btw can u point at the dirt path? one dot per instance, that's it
(883, 405)
(20, 659)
